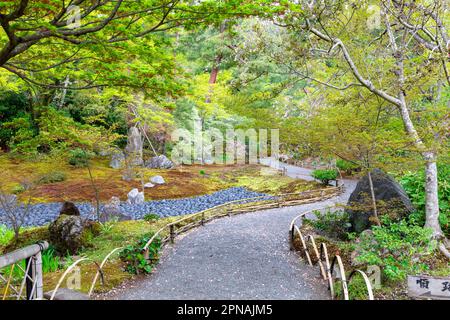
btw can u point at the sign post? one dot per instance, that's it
(426, 287)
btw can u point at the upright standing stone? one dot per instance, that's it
(133, 149)
(390, 198)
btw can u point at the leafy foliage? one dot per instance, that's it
(333, 223)
(52, 177)
(134, 257)
(6, 235)
(325, 175)
(79, 157)
(346, 166)
(396, 247)
(414, 185)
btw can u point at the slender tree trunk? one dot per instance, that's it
(431, 193)
(213, 77)
(374, 202)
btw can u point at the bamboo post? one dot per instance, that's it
(38, 274)
(172, 234)
(203, 219)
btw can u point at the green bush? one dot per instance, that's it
(346, 166)
(325, 176)
(396, 247)
(334, 224)
(79, 157)
(18, 188)
(6, 235)
(414, 185)
(52, 177)
(151, 217)
(133, 255)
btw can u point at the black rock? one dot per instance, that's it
(69, 209)
(390, 198)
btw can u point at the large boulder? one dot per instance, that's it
(112, 211)
(159, 162)
(135, 197)
(133, 149)
(69, 232)
(390, 198)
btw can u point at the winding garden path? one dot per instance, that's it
(243, 257)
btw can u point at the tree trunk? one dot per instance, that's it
(213, 77)
(374, 202)
(431, 194)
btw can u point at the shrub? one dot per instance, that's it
(396, 247)
(6, 235)
(202, 172)
(79, 157)
(346, 166)
(325, 176)
(334, 224)
(133, 255)
(18, 188)
(151, 217)
(52, 177)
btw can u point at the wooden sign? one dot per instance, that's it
(426, 287)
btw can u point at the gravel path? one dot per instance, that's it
(243, 257)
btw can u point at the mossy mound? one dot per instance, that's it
(69, 234)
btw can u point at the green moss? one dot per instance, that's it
(27, 237)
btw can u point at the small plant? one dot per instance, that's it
(325, 176)
(6, 235)
(79, 157)
(334, 224)
(134, 258)
(346, 166)
(18, 188)
(107, 226)
(52, 177)
(202, 172)
(50, 261)
(151, 217)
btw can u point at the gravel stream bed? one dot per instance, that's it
(44, 213)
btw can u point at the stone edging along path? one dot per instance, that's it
(243, 257)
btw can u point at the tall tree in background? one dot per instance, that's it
(403, 60)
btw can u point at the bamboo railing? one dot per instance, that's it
(329, 272)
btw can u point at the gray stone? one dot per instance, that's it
(149, 185)
(157, 180)
(390, 198)
(133, 149)
(66, 234)
(135, 197)
(112, 211)
(159, 162)
(117, 159)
